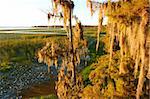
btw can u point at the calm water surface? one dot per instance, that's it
(37, 90)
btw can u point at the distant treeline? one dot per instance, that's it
(60, 26)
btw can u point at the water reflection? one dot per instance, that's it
(37, 90)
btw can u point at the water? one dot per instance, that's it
(38, 90)
(31, 30)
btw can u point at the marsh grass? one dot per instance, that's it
(20, 48)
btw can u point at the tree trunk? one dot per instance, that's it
(72, 47)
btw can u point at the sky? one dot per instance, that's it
(31, 13)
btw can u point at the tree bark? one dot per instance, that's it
(72, 47)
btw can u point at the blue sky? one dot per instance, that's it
(28, 12)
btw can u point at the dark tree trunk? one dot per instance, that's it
(72, 47)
